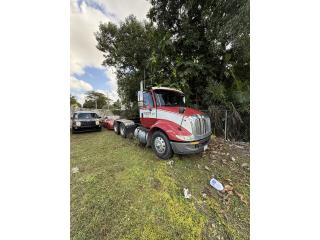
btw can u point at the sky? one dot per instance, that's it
(86, 71)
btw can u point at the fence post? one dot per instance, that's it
(225, 125)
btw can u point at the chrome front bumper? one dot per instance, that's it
(190, 147)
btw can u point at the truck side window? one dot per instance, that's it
(147, 99)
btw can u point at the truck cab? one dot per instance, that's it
(167, 125)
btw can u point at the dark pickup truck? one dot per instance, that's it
(83, 121)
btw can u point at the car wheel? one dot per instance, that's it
(123, 130)
(116, 128)
(161, 145)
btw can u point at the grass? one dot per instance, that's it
(122, 191)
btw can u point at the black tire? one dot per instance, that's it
(160, 137)
(73, 131)
(116, 128)
(123, 130)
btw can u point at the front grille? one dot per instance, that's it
(88, 124)
(201, 125)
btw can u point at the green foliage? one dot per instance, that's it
(215, 93)
(200, 47)
(96, 99)
(116, 105)
(128, 48)
(74, 102)
(122, 191)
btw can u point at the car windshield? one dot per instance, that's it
(87, 115)
(169, 98)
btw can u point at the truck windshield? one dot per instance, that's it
(87, 115)
(169, 98)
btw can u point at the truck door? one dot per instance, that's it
(148, 112)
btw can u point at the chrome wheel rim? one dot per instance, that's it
(160, 144)
(122, 130)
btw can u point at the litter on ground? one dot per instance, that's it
(75, 170)
(186, 193)
(207, 168)
(216, 184)
(170, 163)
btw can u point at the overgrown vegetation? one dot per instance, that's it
(198, 46)
(201, 47)
(122, 191)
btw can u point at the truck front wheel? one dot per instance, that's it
(161, 145)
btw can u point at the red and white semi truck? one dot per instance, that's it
(166, 124)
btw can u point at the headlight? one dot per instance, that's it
(185, 138)
(78, 124)
(97, 122)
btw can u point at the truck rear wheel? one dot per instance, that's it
(161, 145)
(123, 130)
(116, 128)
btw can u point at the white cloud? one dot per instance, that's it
(80, 96)
(112, 82)
(78, 85)
(123, 8)
(84, 23)
(79, 88)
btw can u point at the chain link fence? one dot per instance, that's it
(229, 124)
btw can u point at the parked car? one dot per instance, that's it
(109, 120)
(83, 121)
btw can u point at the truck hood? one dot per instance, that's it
(188, 111)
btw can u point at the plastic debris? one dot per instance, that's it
(207, 168)
(245, 165)
(75, 170)
(170, 163)
(216, 184)
(186, 193)
(233, 159)
(228, 188)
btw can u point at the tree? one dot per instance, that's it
(74, 102)
(200, 47)
(96, 100)
(116, 105)
(128, 48)
(211, 47)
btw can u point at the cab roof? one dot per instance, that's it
(168, 89)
